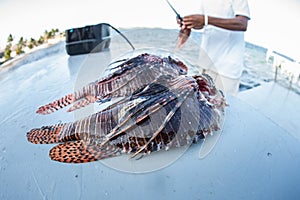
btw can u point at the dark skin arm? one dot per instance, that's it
(238, 23)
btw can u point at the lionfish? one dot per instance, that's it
(161, 108)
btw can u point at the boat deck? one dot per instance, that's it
(257, 155)
(277, 103)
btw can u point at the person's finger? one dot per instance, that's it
(183, 26)
(188, 24)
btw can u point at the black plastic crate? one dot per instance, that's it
(88, 39)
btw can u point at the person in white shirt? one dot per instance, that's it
(224, 23)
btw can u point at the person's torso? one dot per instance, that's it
(224, 48)
(217, 8)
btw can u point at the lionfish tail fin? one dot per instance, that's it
(45, 134)
(80, 152)
(56, 105)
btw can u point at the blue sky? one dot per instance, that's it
(273, 23)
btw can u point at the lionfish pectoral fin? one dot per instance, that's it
(81, 152)
(127, 122)
(65, 101)
(80, 98)
(53, 134)
(139, 117)
(167, 119)
(56, 105)
(82, 102)
(45, 134)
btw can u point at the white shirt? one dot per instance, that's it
(223, 49)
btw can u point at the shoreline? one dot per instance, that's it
(15, 60)
(287, 75)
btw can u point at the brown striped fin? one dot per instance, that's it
(80, 152)
(56, 105)
(44, 135)
(52, 134)
(163, 124)
(131, 76)
(83, 102)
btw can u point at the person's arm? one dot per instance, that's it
(238, 23)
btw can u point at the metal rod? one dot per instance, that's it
(177, 14)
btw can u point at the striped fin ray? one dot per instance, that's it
(56, 105)
(93, 127)
(131, 120)
(96, 125)
(178, 93)
(164, 123)
(49, 134)
(130, 76)
(141, 110)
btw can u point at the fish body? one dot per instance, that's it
(171, 110)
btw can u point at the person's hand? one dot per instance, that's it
(183, 34)
(193, 21)
(179, 21)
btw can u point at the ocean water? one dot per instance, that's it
(257, 69)
(50, 73)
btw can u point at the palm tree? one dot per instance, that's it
(21, 42)
(10, 38)
(20, 46)
(32, 43)
(41, 40)
(7, 53)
